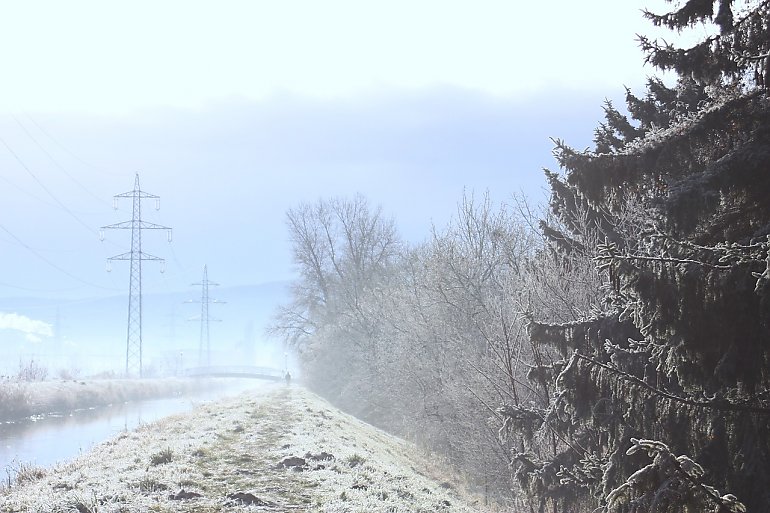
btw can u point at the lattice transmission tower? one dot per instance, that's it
(204, 349)
(135, 257)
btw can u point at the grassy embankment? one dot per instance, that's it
(281, 449)
(23, 399)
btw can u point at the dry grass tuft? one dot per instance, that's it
(162, 457)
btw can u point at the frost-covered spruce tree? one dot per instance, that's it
(676, 364)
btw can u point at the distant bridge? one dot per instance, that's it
(237, 371)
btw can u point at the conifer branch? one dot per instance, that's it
(715, 405)
(605, 260)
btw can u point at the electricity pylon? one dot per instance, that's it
(205, 342)
(135, 256)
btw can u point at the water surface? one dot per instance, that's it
(43, 440)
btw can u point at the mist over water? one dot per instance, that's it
(44, 440)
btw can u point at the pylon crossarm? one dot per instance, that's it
(128, 225)
(145, 256)
(133, 194)
(125, 225)
(152, 226)
(142, 256)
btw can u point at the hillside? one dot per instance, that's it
(284, 449)
(89, 335)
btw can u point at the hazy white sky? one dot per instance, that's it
(234, 111)
(118, 57)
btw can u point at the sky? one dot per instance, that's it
(235, 111)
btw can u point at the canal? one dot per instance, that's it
(43, 440)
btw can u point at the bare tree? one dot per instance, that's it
(344, 252)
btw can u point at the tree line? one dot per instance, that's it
(612, 352)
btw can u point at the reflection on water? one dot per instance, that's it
(45, 440)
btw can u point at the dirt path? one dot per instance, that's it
(283, 449)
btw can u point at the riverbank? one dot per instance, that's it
(282, 449)
(24, 399)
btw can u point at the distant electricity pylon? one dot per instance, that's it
(204, 350)
(135, 256)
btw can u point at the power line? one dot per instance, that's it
(44, 259)
(28, 289)
(55, 302)
(63, 147)
(20, 189)
(52, 159)
(42, 185)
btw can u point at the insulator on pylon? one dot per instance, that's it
(109, 266)
(114, 203)
(157, 203)
(169, 235)
(101, 235)
(162, 266)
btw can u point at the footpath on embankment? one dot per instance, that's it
(278, 449)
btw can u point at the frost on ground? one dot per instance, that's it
(23, 399)
(281, 449)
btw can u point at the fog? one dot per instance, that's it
(280, 116)
(226, 178)
(88, 337)
(461, 224)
